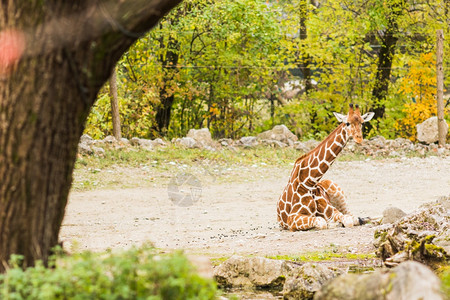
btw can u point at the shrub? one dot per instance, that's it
(138, 273)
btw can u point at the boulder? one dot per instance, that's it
(410, 280)
(301, 146)
(297, 281)
(142, 143)
(306, 281)
(427, 131)
(187, 142)
(84, 149)
(202, 137)
(98, 151)
(392, 214)
(274, 143)
(249, 141)
(86, 139)
(421, 236)
(279, 133)
(251, 272)
(110, 140)
(311, 144)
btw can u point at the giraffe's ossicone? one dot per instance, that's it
(309, 202)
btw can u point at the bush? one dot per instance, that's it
(138, 273)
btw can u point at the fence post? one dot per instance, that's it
(440, 86)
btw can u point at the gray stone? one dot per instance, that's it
(249, 141)
(98, 151)
(301, 146)
(378, 142)
(249, 272)
(420, 236)
(311, 144)
(273, 143)
(124, 141)
(84, 149)
(279, 133)
(86, 139)
(299, 281)
(134, 141)
(187, 142)
(308, 279)
(409, 281)
(202, 137)
(110, 140)
(392, 214)
(427, 131)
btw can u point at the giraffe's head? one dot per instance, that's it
(353, 120)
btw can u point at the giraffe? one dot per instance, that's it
(309, 202)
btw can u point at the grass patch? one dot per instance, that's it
(325, 255)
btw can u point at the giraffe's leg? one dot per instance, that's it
(335, 196)
(302, 222)
(330, 213)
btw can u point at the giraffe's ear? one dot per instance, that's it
(368, 116)
(340, 117)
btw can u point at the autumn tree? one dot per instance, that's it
(64, 51)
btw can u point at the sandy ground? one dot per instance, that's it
(239, 216)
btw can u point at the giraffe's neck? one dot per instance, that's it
(314, 165)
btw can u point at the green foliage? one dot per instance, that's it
(233, 58)
(134, 274)
(444, 275)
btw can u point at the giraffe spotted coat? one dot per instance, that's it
(309, 202)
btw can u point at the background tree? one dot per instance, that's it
(70, 49)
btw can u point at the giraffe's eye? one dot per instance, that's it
(348, 124)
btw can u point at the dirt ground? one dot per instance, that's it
(238, 215)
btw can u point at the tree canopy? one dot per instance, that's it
(224, 65)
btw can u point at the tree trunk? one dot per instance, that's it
(71, 48)
(385, 59)
(117, 132)
(303, 57)
(167, 97)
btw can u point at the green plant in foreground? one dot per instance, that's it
(139, 273)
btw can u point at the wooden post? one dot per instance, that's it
(115, 106)
(440, 86)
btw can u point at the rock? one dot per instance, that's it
(299, 281)
(311, 144)
(279, 133)
(240, 271)
(84, 149)
(124, 141)
(274, 143)
(187, 142)
(202, 137)
(134, 141)
(159, 142)
(98, 151)
(110, 140)
(307, 281)
(378, 142)
(249, 141)
(410, 280)
(427, 131)
(86, 139)
(417, 236)
(226, 142)
(301, 146)
(392, 214)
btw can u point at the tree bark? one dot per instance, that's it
(385, 58)
(71, 48)
(117, 132)
(167, 97)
